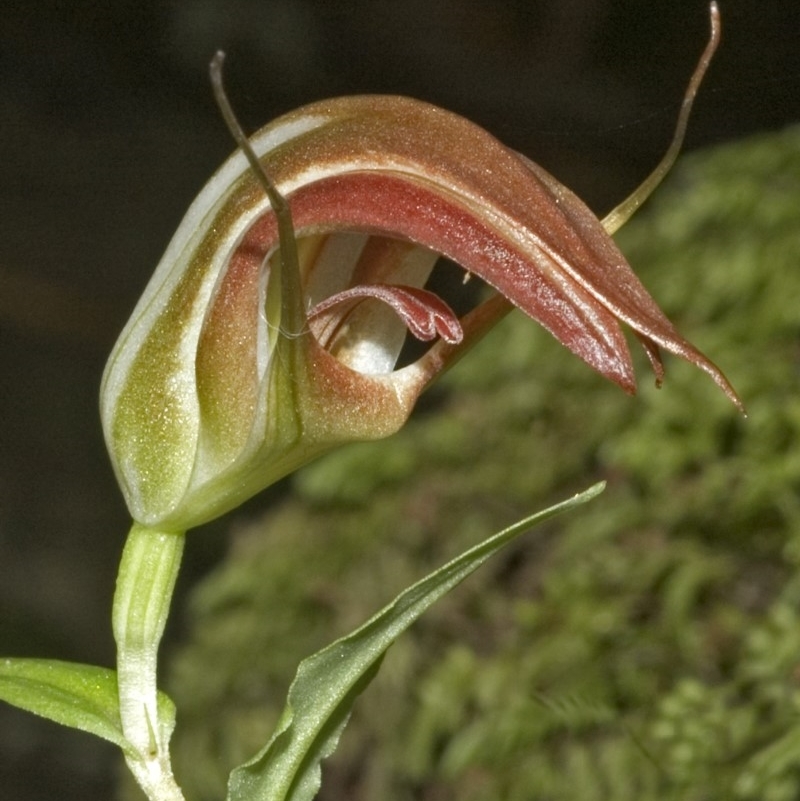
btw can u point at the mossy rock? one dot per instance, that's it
(645, 648)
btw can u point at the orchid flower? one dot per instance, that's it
(272, 326)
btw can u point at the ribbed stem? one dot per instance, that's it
(145, 583)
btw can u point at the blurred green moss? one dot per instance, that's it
(645, 648)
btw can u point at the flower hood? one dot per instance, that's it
(236, 367)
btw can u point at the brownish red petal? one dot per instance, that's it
(531, 279)
(400, 167)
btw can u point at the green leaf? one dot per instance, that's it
(327, 683)
(80, 696)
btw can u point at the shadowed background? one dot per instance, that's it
(109, 130)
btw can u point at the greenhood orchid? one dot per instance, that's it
(241, 361)
(273, 331)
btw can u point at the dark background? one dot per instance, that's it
(107, 132)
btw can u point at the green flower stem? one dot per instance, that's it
(147, 573)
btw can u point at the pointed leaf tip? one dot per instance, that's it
(328, 683)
